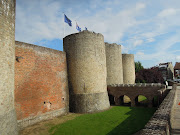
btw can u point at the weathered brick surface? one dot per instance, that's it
(8, 123)
(40, 81)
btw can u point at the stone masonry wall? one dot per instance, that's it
(41, 85)
(128, 68)
(159, 124)
(8, 121)
(149, 90)
(86, 71)
(114, 64)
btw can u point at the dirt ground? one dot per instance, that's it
(42, 128)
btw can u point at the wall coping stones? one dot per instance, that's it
(37, 48)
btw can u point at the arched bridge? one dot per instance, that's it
(152, 91)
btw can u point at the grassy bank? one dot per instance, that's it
(117, 120)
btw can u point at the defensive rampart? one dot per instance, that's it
(41, 85)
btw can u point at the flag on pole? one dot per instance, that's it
(77, 27)
(86, 28)
(67, 20)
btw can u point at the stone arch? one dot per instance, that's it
(141, 100)
(125, 100)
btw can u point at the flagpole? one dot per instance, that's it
(64, 26)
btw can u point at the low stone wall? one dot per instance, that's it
(46, 116)
(159, 124)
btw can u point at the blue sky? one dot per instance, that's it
(149, 29)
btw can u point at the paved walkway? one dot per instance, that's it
(175, 120)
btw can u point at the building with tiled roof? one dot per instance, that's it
(177, 70)
(167, 70)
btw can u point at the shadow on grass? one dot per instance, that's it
(118, 120)
(138, 117)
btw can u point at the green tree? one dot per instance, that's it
(150, 75)
(138, 66)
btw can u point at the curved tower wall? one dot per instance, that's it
(86, 61)
(128, 68)
(114, 64)
(8, 121)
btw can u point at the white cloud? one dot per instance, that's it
(37, 20)
(42, 20)
(138, 42)
(140, 6)
(150, 39)
(178, 58)
(167, 12)
(140, 53)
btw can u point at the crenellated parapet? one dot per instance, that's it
(138, 85)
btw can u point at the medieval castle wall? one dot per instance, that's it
(114, 64)
(87, 71)
(41, 81)
(128, 68)
(8, 122)
(41, 84)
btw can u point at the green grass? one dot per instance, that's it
(141, 98)
(117, 120)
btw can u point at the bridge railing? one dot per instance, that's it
(138, 85)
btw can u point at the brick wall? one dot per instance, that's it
(41, 84)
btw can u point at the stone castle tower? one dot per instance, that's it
(86, 62)
(114, 64)
(8, 119)
(128, 68)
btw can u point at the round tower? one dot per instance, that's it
(128, 68)
(8, 121)
(86, 62)
(114, 64)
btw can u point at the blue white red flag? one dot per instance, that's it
(78, 28)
